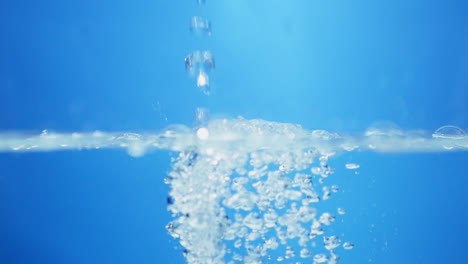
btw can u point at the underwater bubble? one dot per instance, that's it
(331, 242)
(341, 211)
(200, 26)
(320, 258)
(449, 132)
(290, 253)
(305, 253)
(352, 166)
(335, 188)
(348, 245)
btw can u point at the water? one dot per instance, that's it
(324, 181)
(245, 180)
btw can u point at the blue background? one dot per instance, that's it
(337, 65)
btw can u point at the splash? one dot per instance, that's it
(245, 190)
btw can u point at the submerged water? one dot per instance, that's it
(343, 185)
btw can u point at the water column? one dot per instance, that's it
(195, 182)
(200, 63)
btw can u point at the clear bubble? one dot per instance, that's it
(341, 211)
(331, 242)
(305, 253)
(449, 132)
(348, 245)
(352, 166)
(320, 258)
(200, 26)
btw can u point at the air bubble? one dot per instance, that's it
(331, 242)
(352, 166)
(320, 258)
(348, 245)
(449, 132)
(305, 253)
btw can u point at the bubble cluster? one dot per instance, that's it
(244, 203)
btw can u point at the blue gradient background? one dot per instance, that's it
(337, 65)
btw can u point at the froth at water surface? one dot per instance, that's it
(243, 135)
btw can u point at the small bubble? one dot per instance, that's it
(352, 166)
(316, 170)
(320, 258)
(290, 252)
(341, 211)
(348, 245)
(326, 219)
(335, 188)
(331, 242)
(305, 253)
(238, 243)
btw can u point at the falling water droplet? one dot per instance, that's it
(200, 26)
(199, 64)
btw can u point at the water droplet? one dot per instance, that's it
(352, 166)
(200, 26)
(202, 116)
(348, 245)
(449, 132)
(198, 65)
